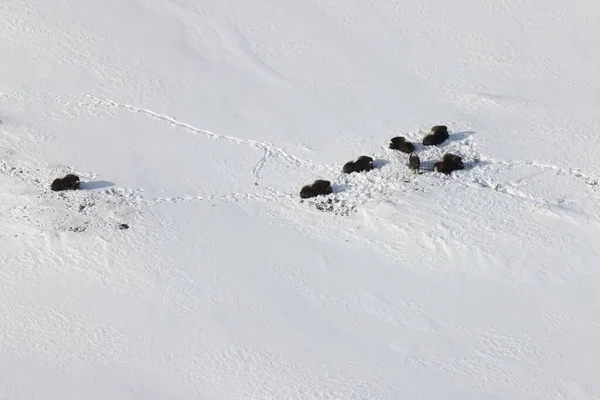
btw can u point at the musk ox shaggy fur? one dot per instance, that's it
(68, 182)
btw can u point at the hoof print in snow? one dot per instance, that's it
(68, 182)
(335, 206)
(400, 143)
(414, 162)
(436, 136)
(363, 163)
(85, 205)
(319, 187)
(123, 226)
(450, 162)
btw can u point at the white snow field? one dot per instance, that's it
(197, 123)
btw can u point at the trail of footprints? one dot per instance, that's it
(268, 149)
(361, 180)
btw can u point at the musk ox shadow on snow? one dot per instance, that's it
(95, 185)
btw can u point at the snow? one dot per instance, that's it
(197, 123)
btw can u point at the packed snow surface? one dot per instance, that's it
(196, 123)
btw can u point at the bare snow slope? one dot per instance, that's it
(197, 122)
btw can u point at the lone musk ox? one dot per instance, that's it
(414, 162)
(363, 163)
(436, 136)
(69, 182)
(400, 143)
(317, 188)
(450, 162)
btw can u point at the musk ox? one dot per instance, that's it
(68, 182)
(363, 163)
(317, 188)
(436, 136)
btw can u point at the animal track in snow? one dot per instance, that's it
(92, 199)
(92, 104)
(384, 184)
(588, 179)
(226, 198)
(261, 164)
(268, 149)
(488, 177)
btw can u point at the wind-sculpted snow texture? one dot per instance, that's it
(196, 124)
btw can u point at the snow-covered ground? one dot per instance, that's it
(197, 122)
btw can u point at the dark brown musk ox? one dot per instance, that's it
(414, 162)
(450, 163)
(319, 187)
(363, 163)
(436, 136)
(401, 144)
(68, 182)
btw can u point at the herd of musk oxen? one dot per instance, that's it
(437, 135)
